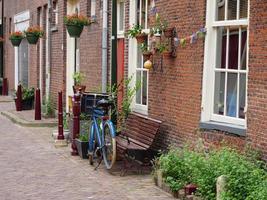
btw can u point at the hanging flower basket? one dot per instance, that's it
(167, 54)
(141, 38)
(74, 30)
(75, 24)
(15, 42)
(16, 38)
(32, 39)
(33, 34)
(147, 55)
(168, 32)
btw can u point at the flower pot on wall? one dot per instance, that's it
(141, 38)
(77, 88)
(168, 32)
(15, 42)
(74, 31)
(147, 55)
(32, 39)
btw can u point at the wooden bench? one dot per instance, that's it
(136, 139)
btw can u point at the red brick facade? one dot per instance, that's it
(175, 94)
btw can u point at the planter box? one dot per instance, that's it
(27, 104)
(82, 148)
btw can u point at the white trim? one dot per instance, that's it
(209, 69)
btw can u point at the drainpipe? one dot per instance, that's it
(2, 45)
(105, 46)
(114, 44)
(48, 68)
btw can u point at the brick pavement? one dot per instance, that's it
(31, 168)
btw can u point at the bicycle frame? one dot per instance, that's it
(99, 136)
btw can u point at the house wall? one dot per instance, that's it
(175, 94)
(90, 47)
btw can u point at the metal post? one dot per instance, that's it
(76, 122)
(4, 87)
(37, 104)
(60, 117)
(2, 45)
(19, 98)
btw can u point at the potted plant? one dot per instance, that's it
(159, 27)
(168, 32)
(82, 145)
(136, 32)
(146, 52)
(27, 98)
(78, 78)
(75, 24)
(16, 38)
(33, 34)
(163, 49)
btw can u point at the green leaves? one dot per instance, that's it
(246, 180)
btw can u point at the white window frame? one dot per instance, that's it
(207, 112)
(120, 33)
(132, 61)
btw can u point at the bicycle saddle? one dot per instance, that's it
(103, 103)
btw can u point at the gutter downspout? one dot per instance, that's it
(48, 67)
(105, 46)
(2, 45)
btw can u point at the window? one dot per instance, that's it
(121, 17)
(226, 69)
(139, 10)
(55, 12)
(93, 9)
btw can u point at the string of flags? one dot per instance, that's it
(182, 41)
(190, 39)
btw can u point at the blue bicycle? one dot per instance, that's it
(102, 135)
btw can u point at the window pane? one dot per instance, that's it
(139, 58)
(138, 92)
(243, 62)
(219, 93)
(144, 86)
(221, 47)
(231, 99)
(220, 10)
(232, 9)
(242, 96)
(121, 22)
(233, 49)
(243, 9)
(143, 14)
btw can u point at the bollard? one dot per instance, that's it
(4, 87)
(221, 186)
(60, 117)
(76, 122)
(19, 98)
(37, 104)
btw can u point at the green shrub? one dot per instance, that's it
(246, 179)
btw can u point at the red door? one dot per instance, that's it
(120, 70)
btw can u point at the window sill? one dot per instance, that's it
(230, 128)
(54, 29)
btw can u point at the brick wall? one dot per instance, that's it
(175, 94)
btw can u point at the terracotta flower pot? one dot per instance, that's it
(77, 88)
(168, 32)
(32, 39)
(74, 31)
(15, 42)
(147, 55)
(167, 54)
(141, 38)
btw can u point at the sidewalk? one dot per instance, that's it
(32, 168)
(25, 117)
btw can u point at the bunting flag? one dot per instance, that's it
(190, 39)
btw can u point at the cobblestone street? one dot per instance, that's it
(32, 168)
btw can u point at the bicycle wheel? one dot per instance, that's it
(91, 143)
(109, 148)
